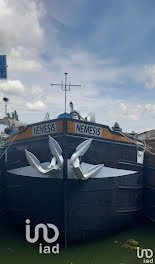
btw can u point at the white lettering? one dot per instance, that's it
(48, 249)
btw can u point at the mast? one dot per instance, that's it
(65, 87)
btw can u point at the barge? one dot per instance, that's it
(81, 176)
(149, 174)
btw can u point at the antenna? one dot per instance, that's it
(65, 87)
(47, 117)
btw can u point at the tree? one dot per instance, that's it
(13, 115)
(16, 115)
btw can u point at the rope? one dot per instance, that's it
(145, 147)
(10, 143)
(2, 143)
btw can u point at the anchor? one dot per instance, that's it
(56, 162)
(75, 162)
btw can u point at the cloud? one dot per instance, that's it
(22, 34)
(23, 60)
(69, 14)
(36, 106)
(91, 67)
(36, 90)
(136, 111)
(20, 23)
(12, 87)
(150, 108)
(102, 57)
(150, 77)
(130, 111)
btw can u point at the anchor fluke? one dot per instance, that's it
(80, 150)
(34, 162)
(56, 162)
(75, 162)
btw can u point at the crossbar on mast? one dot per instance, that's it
(65, 87)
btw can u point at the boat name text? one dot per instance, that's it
(44, 129)
(88, 130)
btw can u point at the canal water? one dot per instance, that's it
(120, 248)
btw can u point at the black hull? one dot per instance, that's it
(149, 192)
(149, 182)
(2, 188)
(2, 192)
(82, 210)
(101, 151)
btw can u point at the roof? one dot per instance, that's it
(147, 135)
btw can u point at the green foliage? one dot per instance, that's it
(13, 115)
(8, 115)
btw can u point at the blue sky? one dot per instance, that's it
(106, 46)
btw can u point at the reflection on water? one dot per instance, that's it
(116, 249)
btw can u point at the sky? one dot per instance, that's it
(106, 46)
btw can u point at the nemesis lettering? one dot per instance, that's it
(88, 129)
(44, 129)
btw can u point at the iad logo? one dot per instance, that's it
(146, 254)
(43, 249)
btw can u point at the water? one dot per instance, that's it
(119, 248)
